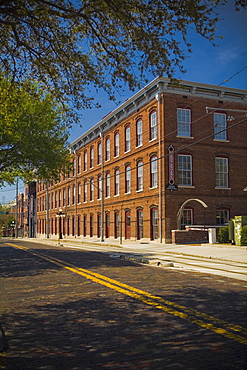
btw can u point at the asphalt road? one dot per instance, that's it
(74, 309)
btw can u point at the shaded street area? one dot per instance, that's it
(70, 309)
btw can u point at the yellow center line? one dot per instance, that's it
(191, 315)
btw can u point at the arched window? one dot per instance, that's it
(107, 149)
(91, 157)
(127, 139)
(79, 193)
(153, 172)
(139, 175)
(127, 179)
(79, 164)
(152, 126)
(85, 161)
(139, 220)
(154, 223)
(116, 144)
(139, 132)
(107, 184)
(91, 189)
(85, 191)
(99, 157)
(99, 187)
(116, 182)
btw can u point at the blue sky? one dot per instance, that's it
(224, 64)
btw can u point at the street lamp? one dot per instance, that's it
(60, 214)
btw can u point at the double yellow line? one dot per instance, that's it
(231, 331)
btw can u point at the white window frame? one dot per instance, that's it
(153, 126)
(183, 122)
(222, 172)
(139, 132)
(185, 170)
(220, 123)
(153, 172)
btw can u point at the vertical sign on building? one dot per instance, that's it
(171, 182)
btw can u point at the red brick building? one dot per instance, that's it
(171, 155)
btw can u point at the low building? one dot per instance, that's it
(174, 154)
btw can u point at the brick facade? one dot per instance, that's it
(141, 207)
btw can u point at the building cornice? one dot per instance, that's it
(147, 93)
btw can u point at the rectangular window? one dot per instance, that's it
(85, 192)
(183, 122)
(99, 187)
(220, 126)
(91, 190)
(222, 217)
(221, 172)
(184, 170)
(187, 218)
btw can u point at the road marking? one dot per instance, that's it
(191, 315)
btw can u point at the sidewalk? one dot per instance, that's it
(155, 250)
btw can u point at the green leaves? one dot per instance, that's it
(69, 46)
(33, 135)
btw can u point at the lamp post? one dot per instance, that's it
(59, 215)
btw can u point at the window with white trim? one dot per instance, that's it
(184, 170)
(91, 190)
(139, 132)
(107, 184)
(184, 122)
(107, 149)
(85, 161)
(91, 157)
(153, 126)
(153, 172)
(116, 144)
(127, 139)
(127, 179)
(221, 172)
(99, 187)
(139, 175)
(220, 126)
(99, 159)
(117, 182)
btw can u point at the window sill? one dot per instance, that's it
(116, 195)
(222, 140)
(154, 187)
(129, 192)
(187, 186)
(185, 137)
(127, 151)
(139, 146)
(222, 188)
(153, 140)
(139, 190)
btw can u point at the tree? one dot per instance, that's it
(71, 45)
(33, 135)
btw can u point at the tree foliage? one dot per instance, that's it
(33, 135)
(71, 45)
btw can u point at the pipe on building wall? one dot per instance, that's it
(158, 98)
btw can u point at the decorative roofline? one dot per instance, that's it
(147, 93)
